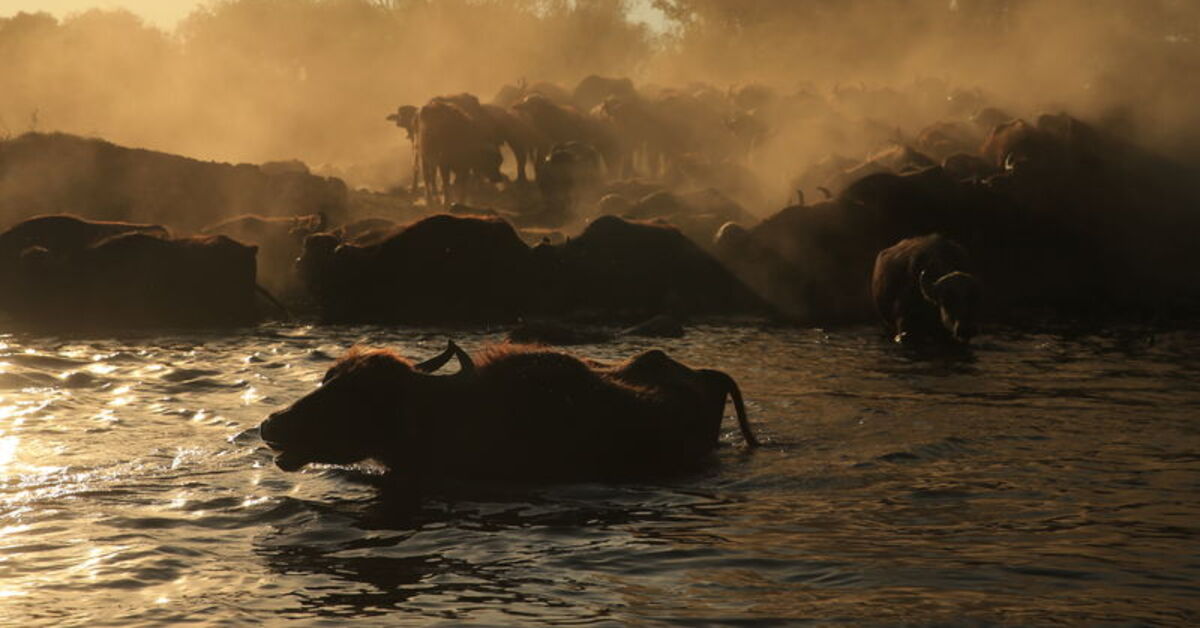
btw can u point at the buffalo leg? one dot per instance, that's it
(430, 176)
(416, 168)
(520, 156)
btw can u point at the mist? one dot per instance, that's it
(262, 80)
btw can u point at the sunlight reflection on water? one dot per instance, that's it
(894, 487)
(8, 450)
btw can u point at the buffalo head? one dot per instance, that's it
(956, 297)
(366, 407)
(405, 118)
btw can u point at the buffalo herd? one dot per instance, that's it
(626, 205)
(61, 271)
(634, 208)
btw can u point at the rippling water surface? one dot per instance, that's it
(1037, 479)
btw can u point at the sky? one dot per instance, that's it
(166, 14)
(162, 13)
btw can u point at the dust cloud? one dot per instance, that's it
(262, 80)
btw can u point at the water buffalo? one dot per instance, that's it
(521, 137)
(454, 145)
(944, 138)
(440, 268)
(893, 159)
(406, 118)
(560, 124)
(645, 138)
(967, 167)
(501, 126)
(921, 290)
(593, 90)
(511, 413)
(366, 230)
(569, 176)
(509, 95)
(631, 270)
(698, 124)
(55, 239)
(699, 214)
(279, 239)
(1018, 145)
(140, 280)
(66, 233)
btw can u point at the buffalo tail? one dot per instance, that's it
(739, 406)
(273, 301)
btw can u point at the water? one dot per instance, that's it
(1038, 479)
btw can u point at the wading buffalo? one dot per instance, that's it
(921, 290)
(139, 280)
(56, 239)
(510, 413)
(442, 268)
(280, 240)
(630, 270)
(66, 234)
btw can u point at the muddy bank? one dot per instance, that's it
(43, 173)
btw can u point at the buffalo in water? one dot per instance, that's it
(64, 232)
(448, 268)
(441, 268)
(509, 414)
(56, 238)
(139, 280)
(630, 270)
(921, 290)
(280, 240)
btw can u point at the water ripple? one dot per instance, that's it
(1034, 479)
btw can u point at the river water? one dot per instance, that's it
(1039, 478)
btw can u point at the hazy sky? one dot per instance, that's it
(167, 13)
(163, 13)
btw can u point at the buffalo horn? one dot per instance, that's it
(926, 285)
(433, 364)
(466, 366)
